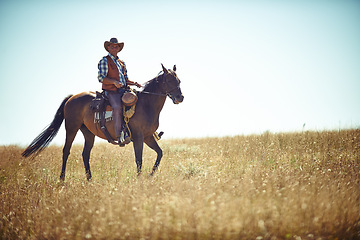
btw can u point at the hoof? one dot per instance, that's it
(88, 176)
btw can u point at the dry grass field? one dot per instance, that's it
(269, 186)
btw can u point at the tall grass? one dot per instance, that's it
(270, 186)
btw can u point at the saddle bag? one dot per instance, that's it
(129, 98)
(98, 103)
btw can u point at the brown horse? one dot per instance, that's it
(78, 115)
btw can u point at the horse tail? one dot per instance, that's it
(44, 139)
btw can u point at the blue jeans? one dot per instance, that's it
(116, 104)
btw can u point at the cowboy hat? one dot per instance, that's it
(113, 41)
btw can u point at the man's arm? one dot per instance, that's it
(133, 83)
(128, 82)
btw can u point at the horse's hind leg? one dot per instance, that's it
(151, 142)
(70, 136)
(89, 143)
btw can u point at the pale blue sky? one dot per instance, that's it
(246, 66)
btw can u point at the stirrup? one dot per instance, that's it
(124, 139)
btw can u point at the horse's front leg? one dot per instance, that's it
(138, 143)
(151, 142)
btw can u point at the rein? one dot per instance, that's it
(158, 94)
(161, 94)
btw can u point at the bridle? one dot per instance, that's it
(167, 93)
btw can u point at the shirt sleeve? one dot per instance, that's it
(103, 69)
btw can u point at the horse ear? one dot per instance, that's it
(174, 68)
(164, 69)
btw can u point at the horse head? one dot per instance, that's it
(171, 85)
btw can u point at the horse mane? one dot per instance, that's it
(151, 85)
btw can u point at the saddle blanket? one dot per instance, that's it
(108, 116)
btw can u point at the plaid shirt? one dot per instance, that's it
(103, 70)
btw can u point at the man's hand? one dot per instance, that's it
(117, 84)
(138, 85)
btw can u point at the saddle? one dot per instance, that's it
(102, 109)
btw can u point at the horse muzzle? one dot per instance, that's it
(177, 99)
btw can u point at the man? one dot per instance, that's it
(113, 76)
